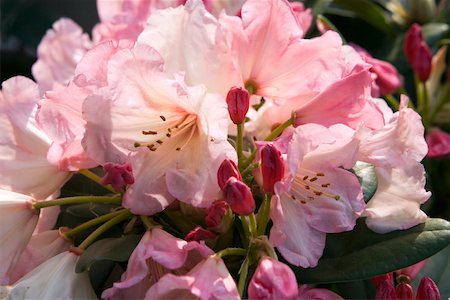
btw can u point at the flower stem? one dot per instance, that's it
(239, 143)
(78, 200)
(243, 272)
(392, 101)
(264, 214)
(231, 251)
(93, 222)
(147, 222)
(252, 222)
(124, 214)
(94, 177)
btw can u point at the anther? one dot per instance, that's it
(306, 177)
(163, 118)
(318, 193)
(149, 132)
(168, 135)
(159, 142)
(178, 149)
(313, 179)
(325, 185)
(302, 201)
(136, 144)
(320, 174)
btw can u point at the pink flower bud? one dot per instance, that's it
(227, 169)
(238, 101)
(438, 143)
(404, 292)
(216, 213)
(422, 63)
(117, 175)
(413, 38)
(272, 167)
(199, 234)
(239, 196)
(385, 291)
(380, 279)
(272, 280)
(427, 290)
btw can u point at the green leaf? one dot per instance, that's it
(114, 249)
(91, 210)
(438, 269)
(365, 10)
(433, 32)
(362, 253)
(367, 177)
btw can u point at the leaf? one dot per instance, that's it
(433, 32)
(362, 253)
(438, 269)
(114, 249)
(91, 210)
(365, 10)
(368, 179)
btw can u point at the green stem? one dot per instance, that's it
(245, 226)
(425, 114)
(239, 143)
(94, 177)
(252, 223)
(231, 251)
(243, 272)
(264, 214)
(78, 200)
(392, 101)
(147, 222)
(249, 169)
(419, 94)
(125, 214)
(91, 223)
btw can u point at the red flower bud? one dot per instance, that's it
(417, 52)
(238, 101)
(117, 175)
(422, 63)
(216, 212)
(427, 290)
(404, 292)
(199, 234)
(239, 196)
(272, 167)
(227, 169)
(385, 291)
(377, 280)
(413, 38)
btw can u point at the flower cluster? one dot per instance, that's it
(224, 143)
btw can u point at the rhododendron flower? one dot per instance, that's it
(438, 143)
(58, 54)
(18, 222)
(174, 135)
(41, 247)
(396, 151)
(318, 195)
(156, 254)
(305, 292)
(23, 145)
(54, 279)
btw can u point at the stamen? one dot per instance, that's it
(306, 177)
(313, 179)
(159, 142)
(314, 186)
(168, 135)
(163, 118)
(320, 174)
(149, 132)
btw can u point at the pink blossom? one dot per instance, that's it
(41, 247)
(18, 222)
(23, 145)
(438, 143)
(60, 269)
(58, 54)
(174, 135)
(238, 102)
(239, 197)
(427, 289)
(307, 293)
(272, 280)
(227, 169)
(318, 195)
(117, 175)
(156, 254)
(386, 291)
(304, 16)
(272, 167)
(199, 234)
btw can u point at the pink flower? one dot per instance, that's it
(238, 102)
(438, 143)
(318, 195)
(174, 135)
(199, 234)
(18, 223)
(156, 254)
(272, 280)
(58, 54)
(239, 196)
(226, 170)
(41, 247)
(304, 16)
(23, 145)
(307, 293)
(117, 175)
(41, 282)
(272, 167)
(427, 289)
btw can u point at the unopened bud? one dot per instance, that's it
(417, 52)
(219, 216)
(227, 169)
(117, 175)
(404, 291)
(385, 291)
(413, 38)
(377, 280)
(272, 167)
(422, 64)
(238, 101)
(239, 196)
(199, 234)
(427, 290)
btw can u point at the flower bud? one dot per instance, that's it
(427, 290)
(438, 142)
(413, 38)
(422, 62)
(219, 216)
(404, 291)
(238, 101)
(117, 175)
(417, 52)
(272, 167)
(227, 169)
(377, 280)
(199, 234)
(385, 291)
(272, 280)
(239, 196)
